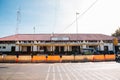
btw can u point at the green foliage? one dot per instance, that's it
(117, 33)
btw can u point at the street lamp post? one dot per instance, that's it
(76, 51)
(76, 23)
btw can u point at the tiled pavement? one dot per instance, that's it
(60, 71)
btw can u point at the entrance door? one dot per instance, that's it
(57, 50)
(28, 48)
(13, 48)
(62, 49)
(76, 49)
(45, 49)
(105, 48)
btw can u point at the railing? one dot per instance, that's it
(56, 58)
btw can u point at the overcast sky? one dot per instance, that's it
(47, 16)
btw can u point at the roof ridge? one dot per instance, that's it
(59, 33)
(85, 36)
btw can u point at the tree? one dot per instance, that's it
(117, 33)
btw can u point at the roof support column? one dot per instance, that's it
(84, 46)
(101, 45)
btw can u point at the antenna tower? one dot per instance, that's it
(18, 20)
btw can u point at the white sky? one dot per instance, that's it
(103, 17)
(49, 16)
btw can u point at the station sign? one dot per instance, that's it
(60, 38)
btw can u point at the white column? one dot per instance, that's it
(101, 45)
(35, 48)
(65, 48)
(51, 48)
(98, 47)
(84, 46)
(69, 48)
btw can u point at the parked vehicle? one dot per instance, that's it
(88, 51)
(117, 56)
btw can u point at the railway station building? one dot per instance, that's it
(55, 43)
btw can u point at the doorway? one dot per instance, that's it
(75, 50)
(13, 48)
(59, 49)
(28, 48)
(106, 48)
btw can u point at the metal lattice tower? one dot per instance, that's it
(18, 20)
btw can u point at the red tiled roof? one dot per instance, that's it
(48, 37)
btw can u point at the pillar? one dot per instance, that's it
(84, 46)
(102, 47)
(51, 48)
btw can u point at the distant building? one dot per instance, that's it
(55, 43)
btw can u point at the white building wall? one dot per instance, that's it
(8, 47)
(35, 48)
(84, 46)
(17, 48)
(110, 46)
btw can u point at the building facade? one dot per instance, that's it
(55, 43)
